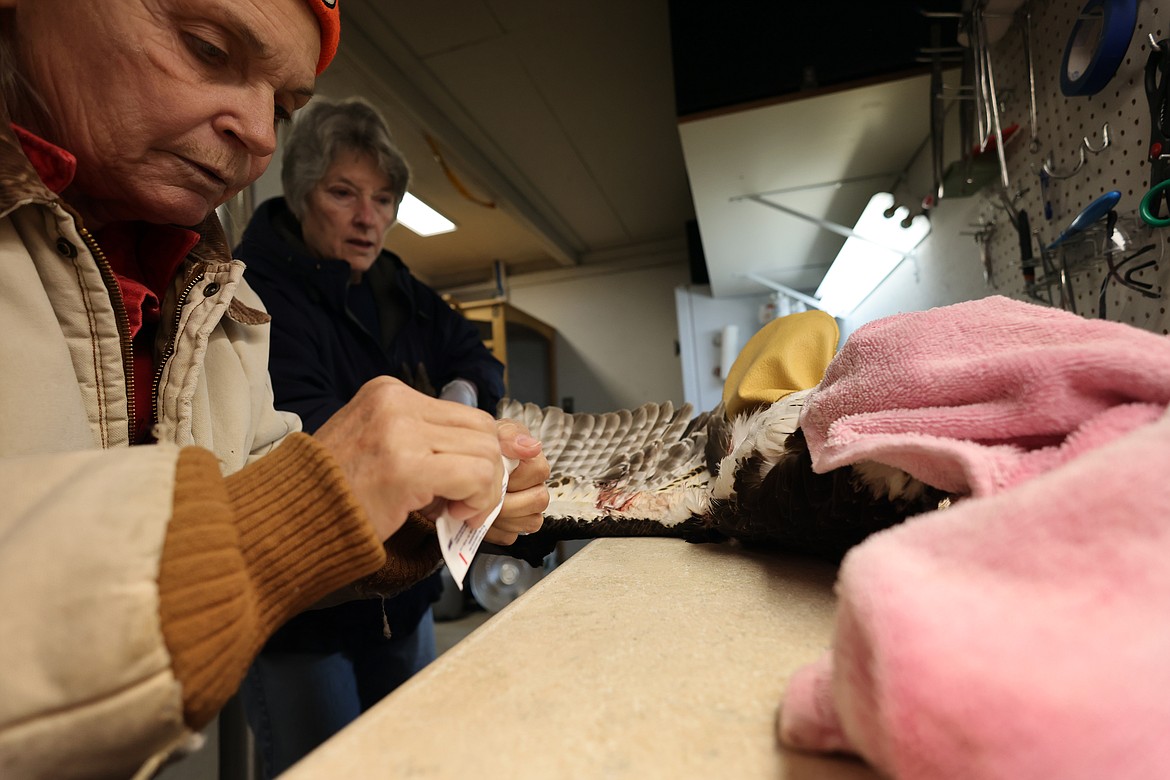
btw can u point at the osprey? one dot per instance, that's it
(658, 471)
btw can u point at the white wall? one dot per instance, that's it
(616, 330)
(701, 321)
(945, 269)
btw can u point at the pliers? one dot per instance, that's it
(1158, 94)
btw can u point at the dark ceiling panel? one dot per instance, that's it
(742, 51)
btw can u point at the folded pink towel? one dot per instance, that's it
(1024, 633)
(975, 397)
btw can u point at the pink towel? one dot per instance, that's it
(1022, 636)
(1025, 633)
(976, 397)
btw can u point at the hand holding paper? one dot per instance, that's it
(459, 542)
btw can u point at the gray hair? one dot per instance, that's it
(323, 129)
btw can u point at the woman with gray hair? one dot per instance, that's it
(344, 311)
(321, 132)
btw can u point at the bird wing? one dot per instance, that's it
(657, 471)
(631, 472)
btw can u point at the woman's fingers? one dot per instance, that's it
(527, 495)
(471, 484)
(522, 510)
(400, 450)
(500, 537)
(516, 441)
(528, 474)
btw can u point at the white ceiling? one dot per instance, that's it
(562, 117)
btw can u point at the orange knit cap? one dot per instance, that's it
(329, 17)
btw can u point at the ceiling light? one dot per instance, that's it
(421, 218)
(878, 245)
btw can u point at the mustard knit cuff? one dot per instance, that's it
(245, 553)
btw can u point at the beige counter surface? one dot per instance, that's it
(637, 658)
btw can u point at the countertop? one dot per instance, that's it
(636, 658)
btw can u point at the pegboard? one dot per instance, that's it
(1064, 125)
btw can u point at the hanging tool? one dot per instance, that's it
(1158, 95)
(968, 104)
(985, 259)
(937, 111)
(1094, 211)
(1034, 146)
(1045, 180)
(983, 236)
(989, 95)
(978, 88)
(1145, 289)
(1027, 258)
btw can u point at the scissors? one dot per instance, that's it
(1100, 208)
(1158, 95)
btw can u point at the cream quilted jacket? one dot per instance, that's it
(86, 680)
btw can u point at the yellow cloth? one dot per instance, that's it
(788, 354)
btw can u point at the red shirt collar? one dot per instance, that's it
(124, 243)
(54, 165)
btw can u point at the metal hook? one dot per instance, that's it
(1104, 140)
(1154, 43)
(1082, 150)
(1048, 166)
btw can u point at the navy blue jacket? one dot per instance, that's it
(321, 353)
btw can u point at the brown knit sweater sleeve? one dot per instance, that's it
(244, 554)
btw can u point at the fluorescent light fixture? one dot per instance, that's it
(421, 218)
(878, 246)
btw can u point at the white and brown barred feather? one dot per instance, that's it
(623, 473)
(658, 471)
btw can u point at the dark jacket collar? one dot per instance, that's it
(272, 248)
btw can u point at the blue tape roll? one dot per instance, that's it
(1097, 46)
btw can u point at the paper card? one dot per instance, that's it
(458, 542)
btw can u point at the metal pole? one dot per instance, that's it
(832, 227)
(821, 185)
(784, 290)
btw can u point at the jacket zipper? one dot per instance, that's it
(172, 342)
(115, 291)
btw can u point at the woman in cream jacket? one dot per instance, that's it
(137, 582)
